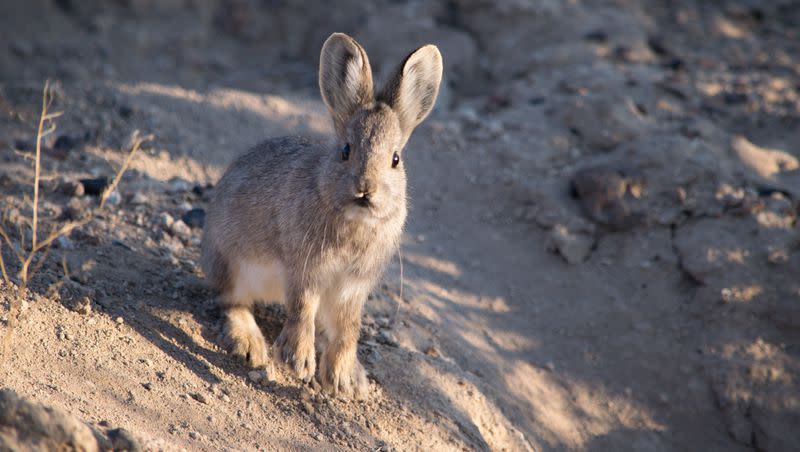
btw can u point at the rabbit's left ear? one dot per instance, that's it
(412, 91)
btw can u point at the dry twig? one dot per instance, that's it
(42, 248)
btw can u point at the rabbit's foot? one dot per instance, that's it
(343, 377)
(295, 348)
(243, 337)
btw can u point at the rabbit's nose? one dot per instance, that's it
(363, 188)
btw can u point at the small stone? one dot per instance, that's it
(113, 198)
(148, 386)
(83, 306)
(373, 356)
(573, 247)
(432, 351)
(316, 436)
(119, 320)
(180, 229)
(387, 338)
(255, 375)
(777, 256)
(64, 243)
(225, 398)
(194, 435)
(165, 219)
(65, 143)
(194, 218)
(71, 188)
(94, 187)
(199, 397)
(176, 185)
(139, 198)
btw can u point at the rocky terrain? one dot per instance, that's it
(602, 249)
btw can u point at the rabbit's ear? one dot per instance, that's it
(412, 91)
(345, 79)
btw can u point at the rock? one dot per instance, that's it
(387, 338)
(64, 243)
(165, 220)
(122, 439)
(573, 247)
(113, 198)
(65, 143)
(199, 397)
(604, 194)
(180, 229)
(119, 320)
(177, 185)
(28, 426)
(83, 306)
(95, 186)
(194, 218)
(373, 356)
(139, 198)
(256, 376)
(71, 188)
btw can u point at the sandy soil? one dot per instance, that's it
(601, 254)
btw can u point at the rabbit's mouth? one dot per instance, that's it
(363, 201)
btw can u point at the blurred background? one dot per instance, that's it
(601, 253)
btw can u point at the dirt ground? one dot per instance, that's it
(602, 250)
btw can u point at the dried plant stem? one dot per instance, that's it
(25, 260)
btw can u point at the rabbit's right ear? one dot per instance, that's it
(345, 79)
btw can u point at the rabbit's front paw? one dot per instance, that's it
(244, 339)
(343, 377)
(296, 349)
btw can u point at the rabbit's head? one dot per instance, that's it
(364, 176)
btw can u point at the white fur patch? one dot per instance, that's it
(259, 281)
(358, 213)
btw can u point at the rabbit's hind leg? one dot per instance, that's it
(252, 281)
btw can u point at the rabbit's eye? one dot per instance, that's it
(346, 151)
(395, 160)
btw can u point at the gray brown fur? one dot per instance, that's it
(285, 222)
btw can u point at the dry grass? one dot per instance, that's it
(39, 249)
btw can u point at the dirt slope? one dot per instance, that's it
(601, 253)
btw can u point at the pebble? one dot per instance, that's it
(373, 356)
(148, 386)
(176, 184)
(316, 436)
(114, 198)
(83, 306)
(199, 397)
(119, 320)
(180, 229)
(139, 198)
(165, 219)
(387, 338)
(65, 143)
(255, 375)
(71, 188)
(194, 218)
(64, 243)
